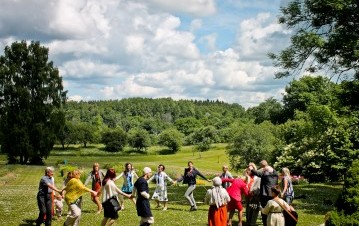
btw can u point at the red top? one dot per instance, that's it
(237, 188)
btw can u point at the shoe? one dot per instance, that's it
(164, 209)
(193, 208)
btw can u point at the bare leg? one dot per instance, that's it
(164, 205)
(231, 214)
(111, 222)
(122, 201)
(96, 200)
(133, 200)
(240, 215)
(104, 221)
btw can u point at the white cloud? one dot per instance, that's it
(88, 68)
(109, 49)
(80, 19)
(196, 8)
(254, 35)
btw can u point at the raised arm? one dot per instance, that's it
(227, 180)
(119, 176)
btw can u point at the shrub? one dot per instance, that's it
(349, 198)
(340, 219)
(299, 180)
(114, 140)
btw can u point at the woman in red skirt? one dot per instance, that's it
(217, 198)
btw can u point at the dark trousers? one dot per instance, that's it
(44, 203)
(264, 200)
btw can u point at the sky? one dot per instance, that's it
(188, 49)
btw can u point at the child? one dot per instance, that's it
(59, 205)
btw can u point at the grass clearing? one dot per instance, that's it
(19, 184)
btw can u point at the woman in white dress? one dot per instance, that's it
(274, 208)
(160, 194)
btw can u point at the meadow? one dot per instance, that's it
(19, 184)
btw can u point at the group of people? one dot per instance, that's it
(258, 186)
(261, 190)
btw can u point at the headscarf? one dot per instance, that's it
(216, 193)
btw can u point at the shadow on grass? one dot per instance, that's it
(28, 222)
(165, 152)
(319, 198)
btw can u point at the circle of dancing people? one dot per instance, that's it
(259, 187)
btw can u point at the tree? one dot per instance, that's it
(114, 140)
(252, 143)
(326, 37)
(203, 137)
(139, 139)
(347, 205)
(269, 110)
(187, 125)
(171, 138)
(31, 101)
(302, 93)
(86, 133)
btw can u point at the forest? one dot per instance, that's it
(313, 130)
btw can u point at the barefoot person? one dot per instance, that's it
(160, 194)
(95, 176)
(129, 175)
(235, 191)
(109, 191)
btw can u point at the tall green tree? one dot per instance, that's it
(306, 91)
(114, 140)
(31, 100)
(139, 139)
(252, 143)
(269, 110)
(171, 138)
(326, 37)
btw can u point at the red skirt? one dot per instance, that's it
(217, 216)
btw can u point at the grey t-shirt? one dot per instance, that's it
(43, 188)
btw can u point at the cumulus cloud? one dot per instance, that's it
(109, 49)
(196, 8)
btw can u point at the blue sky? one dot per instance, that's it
(188, 49)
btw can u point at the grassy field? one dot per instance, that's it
(18, 188)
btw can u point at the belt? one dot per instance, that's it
(275, 212)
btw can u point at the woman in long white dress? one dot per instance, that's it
(160, 194)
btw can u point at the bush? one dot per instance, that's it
(114, 140)
(349, 198)
(340, 219)
(299, 180)
(64, 169)
(171, 138)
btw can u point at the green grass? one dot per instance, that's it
(18, 187)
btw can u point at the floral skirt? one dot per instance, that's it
(160, 194)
